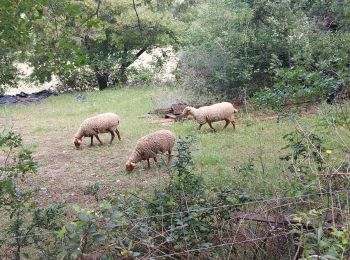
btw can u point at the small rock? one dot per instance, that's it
(80, 98)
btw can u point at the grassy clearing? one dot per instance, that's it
(64, 172)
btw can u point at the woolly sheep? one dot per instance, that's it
(102, 123)
(148, 146)
(208, 114)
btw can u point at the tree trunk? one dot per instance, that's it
(102, 80)
(122, 78)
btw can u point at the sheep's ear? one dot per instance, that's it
(129, 166)
(77, 142)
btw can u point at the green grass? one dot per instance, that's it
(64, 172)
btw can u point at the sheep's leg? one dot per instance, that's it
(156, 161)
(92, 142)
(211, 126)
(199, 127)
(233, 124)
(169, 156)
(227, 122)
(98, 138)
(149, 165)
(112, 136)
(117, 132)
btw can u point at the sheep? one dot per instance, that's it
(208, 114)
(102, 123)
(148, 146)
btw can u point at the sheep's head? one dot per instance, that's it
(129, 166)
(187, 111)
(77, 142)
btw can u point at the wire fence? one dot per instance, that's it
(229, 233)
(235, 205)
(221, 245)
(243, 204)
(310, 198)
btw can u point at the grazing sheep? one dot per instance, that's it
(208, 114)
(95, 125)
(148, 146)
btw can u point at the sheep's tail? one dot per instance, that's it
(234, 110)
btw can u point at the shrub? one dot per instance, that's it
(25, 222)
(320, 241)
(83, 79)
(140, 76)
(282, 50)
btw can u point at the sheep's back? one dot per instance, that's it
(154, 143)
(218, 112)
(100, 124)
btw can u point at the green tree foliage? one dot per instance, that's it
(100, 37)
(15, 28)
(93, 41)
(255, 44)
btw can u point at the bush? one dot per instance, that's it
(233, 44)
(140, 76)
(320, 242)
(324, 77)
(282, 50)
(83, 79)
(25, 222)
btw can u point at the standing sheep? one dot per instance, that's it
(102, 123)
(208, 114)
(148, 146)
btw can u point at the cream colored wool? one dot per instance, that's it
(149, 146)
(102, 123)
(208, 114)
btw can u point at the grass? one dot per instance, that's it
(64, 172)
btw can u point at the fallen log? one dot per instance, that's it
(172, 116)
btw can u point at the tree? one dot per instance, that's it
(103, 36)
(68, 37)
(238, 47)
(233, 43)
(16, 24)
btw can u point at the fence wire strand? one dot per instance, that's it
(337, 192)
(221, 245)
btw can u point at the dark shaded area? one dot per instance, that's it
(102, 79)
(24, 98)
